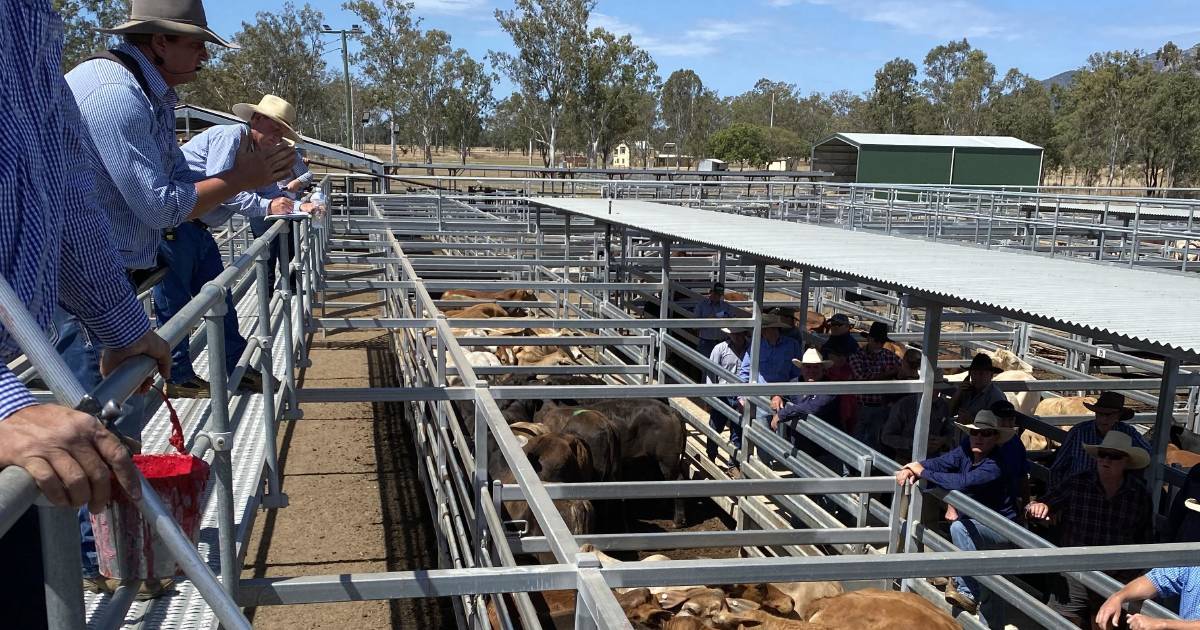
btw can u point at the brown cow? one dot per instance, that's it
(485, 311)
(651, 433)
(509, 295)
(1182, 458)
(873, 609)
(592, 427)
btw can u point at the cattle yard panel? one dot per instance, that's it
(554, 262)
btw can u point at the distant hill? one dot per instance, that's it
(1064, 78)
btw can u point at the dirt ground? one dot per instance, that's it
(356, 503)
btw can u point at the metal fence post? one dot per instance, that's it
(1162, 424)
(275, 497)
(481, 466)
(222, 443)
(929, 354)
(293, 411)
(59, 528)
(760, 274)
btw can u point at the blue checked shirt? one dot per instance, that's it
(1072, 459)
(55, 243)
(774, 362)
(213, 152)
(1181, 581)
(142, 180)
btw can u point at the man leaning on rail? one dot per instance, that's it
(127, 100)
(1181, 582)
(56, 246)
(189, 250)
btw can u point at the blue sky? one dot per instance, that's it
(820, 45)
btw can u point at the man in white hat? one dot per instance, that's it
(1107, 505)
(189, 250)
(973, 469)
(1111, 414)
(824, 406)
(775, 355)
(729, 355)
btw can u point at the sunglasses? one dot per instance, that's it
(1113, 455)
(983, 432)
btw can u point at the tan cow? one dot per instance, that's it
(1184, 459)
(510, 295)
(1065, 406)
(873, 609)
(485, 311)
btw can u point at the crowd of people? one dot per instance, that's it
(1095, 493)
(99, 203)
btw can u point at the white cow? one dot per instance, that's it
(1025, 402)
(476, 359)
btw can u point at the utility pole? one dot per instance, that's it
(356, 30)
(772, 123)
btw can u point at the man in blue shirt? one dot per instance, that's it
(775, 355)
(1181, 582)
(972, 468)
(141, 179)
(729, 355)
(1111, 413)
(189, 250)
(714, 305)
(55, 247)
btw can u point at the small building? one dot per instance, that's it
(673, 160)
(712, 164)
(622, 156)
(783, 164)
(892, 158)
(574, 161)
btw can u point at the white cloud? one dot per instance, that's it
(942, 19)
(448, 7)
(705, 38)
(781, 3)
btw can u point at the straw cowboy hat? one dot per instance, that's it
(811, 357)
(274, 108)
(1192, 504)
(1117, 441)
(171, 17)
(1111, 401)
(985, 420)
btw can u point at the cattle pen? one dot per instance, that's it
(594, 258)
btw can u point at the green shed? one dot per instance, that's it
(895, 158)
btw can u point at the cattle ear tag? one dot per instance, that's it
(737, 604)
(579, 411)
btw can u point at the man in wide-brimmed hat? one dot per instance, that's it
(973, 469)
(713, 306)
(190, 251)
(976, 392)
(1111, 413)
(729, 355)
(840, 337)
(824, 406)
(775, 355)
(874, 363)
(1105, 505)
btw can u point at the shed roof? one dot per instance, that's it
(1151, 310)
(916, 140)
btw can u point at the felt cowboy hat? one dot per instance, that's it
(811, 357)
(1117, 441)
(982, 361)
(171, 17)
(986, 420)
(274, 108)
(771, 320)
(1111, 401)
(878, 332)
(839, 319)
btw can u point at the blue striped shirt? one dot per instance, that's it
(142, 180)
(1072, 459)
(1181, 581)
(55, 243)
(213, 152)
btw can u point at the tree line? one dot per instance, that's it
(580, 90)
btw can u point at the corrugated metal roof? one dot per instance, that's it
(1152, 310)
(916, 140)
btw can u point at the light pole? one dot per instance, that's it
(356, 30)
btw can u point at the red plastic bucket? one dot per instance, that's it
(126, 545)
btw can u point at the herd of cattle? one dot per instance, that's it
(597, 439)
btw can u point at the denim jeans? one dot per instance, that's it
(870, 425)
(76, 348)
(193, 259)
(971, 535)
(718, 421)
(258, 227)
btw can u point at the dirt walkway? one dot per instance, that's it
(356, 500)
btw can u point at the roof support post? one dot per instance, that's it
(929, 354)
(760, 272)
(804, 277)
(664, 303)
(1162, 425)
